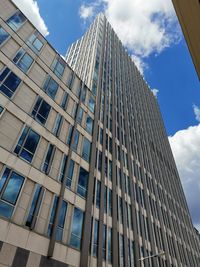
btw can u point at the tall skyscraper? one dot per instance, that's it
(87, 177)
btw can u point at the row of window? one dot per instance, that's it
(11, 184)
(26, 148)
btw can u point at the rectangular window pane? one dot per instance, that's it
(10, 186)
(98, 194)
(16, 20)
(23, 60)
(34, 42)
(41, 110)
(48, 159)
(82, 182)
(64, 100)
(75, 141)
(76, 229)
(58, 67)
(86, 149)
(3, 35)
(27, 144)
(50, 87)
(33, 204)
(57, 125)
(9, 83)
(104, 241)
(91, 104)
(89, 124)
(95, 238)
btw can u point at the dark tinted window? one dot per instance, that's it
(41, 110)
(82, 182)
(8, 82)
(27, 144)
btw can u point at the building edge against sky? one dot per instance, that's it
(87, 177)
(189, 18)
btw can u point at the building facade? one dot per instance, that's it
(87, 177)
(189, 17)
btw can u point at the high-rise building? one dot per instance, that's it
(189, 17)
(87, 177)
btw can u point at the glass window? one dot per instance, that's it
(83, 94)
(27, 144)
(10, 187)
(80, 115)
(76, 228)
(57, 125)
(41, 110)
(50, 87)
(109, 245)
(100, 161)
(98, 194)
(1, 110)
(49, 158)
(105, 199)
(64, 100)
(34, 204)
(70, 174)
(34, 42)
(8, 82)
(16, 20)
(61, 219)
(91, 104)
(75, 140)
(110, 170)
(69, 136)
(121, 250)
(89, 124)
(110, 202)
(82, 182)
(3, 35)
(95, 238)
(70, 80)
(86, 149)
(104, 241)
(58, 67)
(23, 60)
(70, 171)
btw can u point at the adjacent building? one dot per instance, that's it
(87, 176)
(189, 17)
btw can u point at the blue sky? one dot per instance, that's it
(152, 35)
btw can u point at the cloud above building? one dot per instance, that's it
(196, 112)
(31, 10)
(185, 145)
(144, 27)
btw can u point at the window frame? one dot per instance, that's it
(4, 187)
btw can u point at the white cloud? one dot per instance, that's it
(196, 112)
(31, 10)
(145, 27)
(185, 145)
(86, 11)
(155, 92)
(139, 63)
